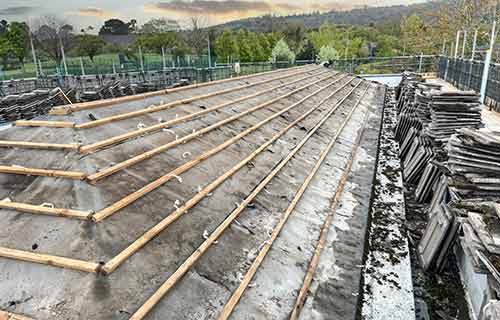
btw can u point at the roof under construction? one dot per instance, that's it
(205, 201)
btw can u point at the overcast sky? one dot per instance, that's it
(81, 13)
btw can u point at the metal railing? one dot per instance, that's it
(387, 65)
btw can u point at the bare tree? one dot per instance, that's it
(50, 34)
(197, 34)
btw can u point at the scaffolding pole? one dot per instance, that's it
(457, 42)
(474, 46)
(487, 62)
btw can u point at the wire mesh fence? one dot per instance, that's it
(467, 75)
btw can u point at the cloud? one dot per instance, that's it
(218, 8)
(15, 11)
(92, 12)
(333, 6)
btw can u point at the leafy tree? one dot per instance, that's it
(159, 25)
(244, 50)
(4, 50)
(265, 44)
(295, 36)
(412, 29)
(307, 52)
(226, 46)
(281, 52)
(18, 39)
(325, 36)
(170, 41)
(273, 38)
(387, 45)
(90, 45)
(117, 27)
(327, 53)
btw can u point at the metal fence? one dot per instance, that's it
(467, 75)
(102, 64)
(160, 78)
(387, 65)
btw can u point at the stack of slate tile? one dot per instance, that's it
(29, 105)
(480, 237)
(467, 194)
(432, 118)
(450, 111)
(474, 164)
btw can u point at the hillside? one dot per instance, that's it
(362, 16)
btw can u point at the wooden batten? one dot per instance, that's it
(43, 172)
(46, 210)
(38, 123)
(38, 145)
(51, 260)
(5, 315)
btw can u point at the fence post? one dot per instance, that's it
(163, 58)
(420, 62)
(40, 65)
(63, 58)
(81, 66)
(487, 62)
(140, 59)
(34, 55)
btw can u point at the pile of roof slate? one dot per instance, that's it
(474, 164)
(450, 111)
(466, 195)
(428, 117)
(480, 238)
(31, 104)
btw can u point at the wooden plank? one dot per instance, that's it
(51, 260)
(148, 154)
(38, 145)
(5, 315)
(136, 133)
(64, 110)
(43, 172)
(188, 263)
(114, 263)
(59, 212)
(122, 203)
(39, 123)
(236, 296)
(166, 106)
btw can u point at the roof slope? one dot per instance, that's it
(129, 230)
